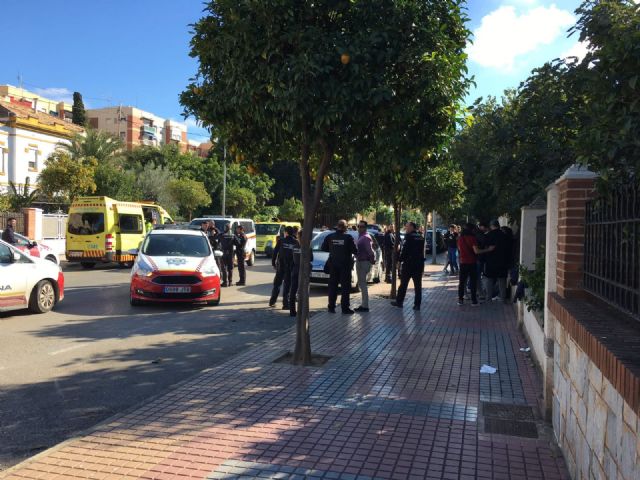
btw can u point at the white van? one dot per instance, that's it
(249, 230)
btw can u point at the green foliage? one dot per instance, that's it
(153, 184)
(609, 80)
(112, 180)
(384, 216)
(5, 202)
(240, 201)
(95, 144)
(440, 187)
(267, 214)
(291, 210)
(189, 194)
(534, 280)
(65, 178)
(21, 197)
(412, 215)
(77, 110)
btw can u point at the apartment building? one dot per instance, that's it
(136, 127)
(25, 98)
(27, 138)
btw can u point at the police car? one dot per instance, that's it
(35, 249)
(175, 265)
(28, 282)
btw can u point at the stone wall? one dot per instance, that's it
(597, 430)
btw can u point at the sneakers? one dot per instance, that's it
(396, 304)
(474, 304)
(361, 309)
(240, 284)
(460, 302)
(292, 313)
(331, 309)
(224, 284)
(347, 311)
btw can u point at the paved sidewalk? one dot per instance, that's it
(401, 397)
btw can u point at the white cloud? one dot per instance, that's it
(55, 93)
(504, 35)
(578, 49)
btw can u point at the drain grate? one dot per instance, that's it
(507, 411)
(510, 427)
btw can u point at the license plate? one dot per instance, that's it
(320, 275)
(75, 254)
(177, 289)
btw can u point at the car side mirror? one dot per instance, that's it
(217, 253)
(15, 257)
(34, 244)
(133, 251)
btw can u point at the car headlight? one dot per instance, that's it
(209, 269)
(142, 270)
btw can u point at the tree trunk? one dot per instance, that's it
(311, 201)
(397, 210)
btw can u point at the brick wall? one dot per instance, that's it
(29, 222)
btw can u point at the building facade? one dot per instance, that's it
(27, 138)
(136, 127)
(25, 98)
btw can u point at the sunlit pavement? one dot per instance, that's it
(401, 397)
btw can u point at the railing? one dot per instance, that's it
(612, 250)
(19, 216)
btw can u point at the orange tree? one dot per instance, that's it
(309, 79)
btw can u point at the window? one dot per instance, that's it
(248, 226)
(176, 245)
(130, 223)
(123, 136)
(89, 223)
(4, 159)
(267, 229)
(33, 157)
(6, 254)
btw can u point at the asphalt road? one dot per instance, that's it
(95, 355)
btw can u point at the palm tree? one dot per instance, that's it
(93, 144)
(21, 197)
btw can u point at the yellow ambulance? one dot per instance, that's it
(267, 234)
(101, 229)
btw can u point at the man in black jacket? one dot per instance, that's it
(389, 243)
(227, 243)
(412, 266)
(240, 243)
(282, 260)
(341, 248)
(8, 233)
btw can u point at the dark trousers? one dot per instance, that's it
(294, 288)
(227, 268)
(413, 272)
(468, 271)
(241, 267)
(388, 264)
(342, 276)
(277, 283)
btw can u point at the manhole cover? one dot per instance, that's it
(510, 427)
(507, 411)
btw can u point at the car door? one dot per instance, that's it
(14, 276)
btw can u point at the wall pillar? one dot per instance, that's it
(30, 220)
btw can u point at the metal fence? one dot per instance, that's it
(612, 250)
(54, 226)
(19, 216)
(541, 234)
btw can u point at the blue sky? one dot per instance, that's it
(136, 52)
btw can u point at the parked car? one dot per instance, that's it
(175, 265)
(28, 282)
(318, 277)
(35, 249)
(249, 230)
(440, 246)
(267, 234)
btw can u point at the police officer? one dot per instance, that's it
(284, 264)
(240, 242)
(341, 248)
(412, 265)
(227, 242)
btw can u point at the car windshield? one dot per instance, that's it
(89, 223)
(267, 228)
(168, 245)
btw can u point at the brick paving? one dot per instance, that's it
(402, 397)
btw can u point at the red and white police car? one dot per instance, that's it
(28, 282)
(35, 249)
(175, 265)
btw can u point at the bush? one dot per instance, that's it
(534, 281)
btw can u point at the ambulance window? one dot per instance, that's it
(89, 223)
(248, 227)
(130, 223)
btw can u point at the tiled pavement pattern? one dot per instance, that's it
(401, 398)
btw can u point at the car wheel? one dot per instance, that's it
(43, 297)
(88, 265)
(134, 301)
(252, 258)
(51, 258)
(125, 264)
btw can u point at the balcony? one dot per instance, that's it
(148, 130)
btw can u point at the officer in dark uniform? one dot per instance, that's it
(240, 242)
(214, 240)
(341, 248)
(227, 242)
(412, 265)
(283, 261)
(389, 243)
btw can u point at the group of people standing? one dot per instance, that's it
(232, 245)
(286, 261)
(486, 256)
